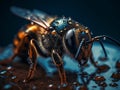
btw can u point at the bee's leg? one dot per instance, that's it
(104, 50)
(8, 61)
(57, 60)
(32, 52)
(16, 51)
(92, 60)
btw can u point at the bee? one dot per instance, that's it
(52, 36)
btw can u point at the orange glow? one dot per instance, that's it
(53, 32)
(32, 28)
(37, 29)
(42, 30)
(87, 31)
(21, 34)
(16, 42)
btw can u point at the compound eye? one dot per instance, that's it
(70, 42)
(70, 34)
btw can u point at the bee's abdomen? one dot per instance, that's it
(18, 38)
(20, 35)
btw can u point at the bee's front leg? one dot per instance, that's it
(32, 60)
(59, 64)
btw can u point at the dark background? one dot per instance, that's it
(101, 16)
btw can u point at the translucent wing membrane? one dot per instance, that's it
(35, 16)
(41, 14)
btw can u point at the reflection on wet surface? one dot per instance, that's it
(104, 77)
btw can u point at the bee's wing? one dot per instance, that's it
(44, 16)
(35, 16)
(41, 14)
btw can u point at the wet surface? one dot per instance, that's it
(104, 77)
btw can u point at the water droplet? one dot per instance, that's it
(3, 72)
(103, 68)
(116, 75)
(13, 77)
(24, 81)
(11, 86)
(99, 78)
(113, 84)
(9, 68)
(76, 83)
(7, 87)
(103, 84)
(50, 85)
